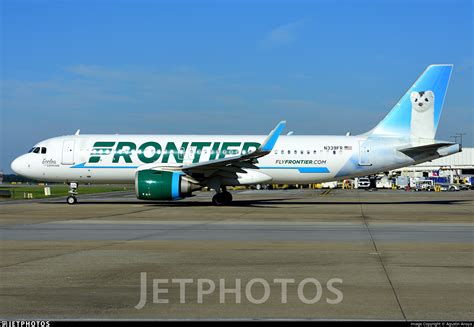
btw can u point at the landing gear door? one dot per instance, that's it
(364, 154)
(68, 152)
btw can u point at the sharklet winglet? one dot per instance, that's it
(272, 138)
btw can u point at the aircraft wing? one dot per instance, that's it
(225, 167)
(236, 163)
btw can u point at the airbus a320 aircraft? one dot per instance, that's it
(169, 167)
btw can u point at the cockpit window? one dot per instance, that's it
(43, 150)
(36, 150)
(31, 150)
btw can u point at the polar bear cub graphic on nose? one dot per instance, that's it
(422, 114)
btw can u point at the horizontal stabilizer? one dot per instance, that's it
(430, 150)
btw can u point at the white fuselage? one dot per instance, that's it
(294, 159)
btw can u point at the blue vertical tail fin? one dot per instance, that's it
(418, 111)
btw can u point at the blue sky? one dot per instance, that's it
(210, 67)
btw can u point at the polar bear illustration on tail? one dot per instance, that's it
(422, 114)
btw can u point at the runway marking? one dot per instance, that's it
(364, 218)
(228, 221)
(325, 192)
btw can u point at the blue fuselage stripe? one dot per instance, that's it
(83, 165)
(303, 170)
(126, 167)
(313, 170)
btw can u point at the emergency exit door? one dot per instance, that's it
(68, 152)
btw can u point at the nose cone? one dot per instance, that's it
(17, 165)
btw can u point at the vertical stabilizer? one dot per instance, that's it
(418, 111)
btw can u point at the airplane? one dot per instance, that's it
(171, 167)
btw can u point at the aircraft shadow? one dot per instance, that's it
(267, 203)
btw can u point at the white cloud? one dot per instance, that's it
(283, 34)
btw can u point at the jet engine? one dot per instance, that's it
(162, 185)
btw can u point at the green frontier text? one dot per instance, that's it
(151, 151)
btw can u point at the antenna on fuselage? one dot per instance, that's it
(77, 132)
(290, 133)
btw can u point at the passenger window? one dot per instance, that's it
(302, 152)
(36, 150)
(289, 152)
(282, 151)
(43, 150)
(296, 151)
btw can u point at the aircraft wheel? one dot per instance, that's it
(227, 197)
(218, 199)
(71, 200)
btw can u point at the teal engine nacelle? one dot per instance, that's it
(162, 185)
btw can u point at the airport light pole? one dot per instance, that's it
(460, 137)
(455, 137)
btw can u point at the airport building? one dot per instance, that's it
(457, 166)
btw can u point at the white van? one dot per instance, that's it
(362, 182)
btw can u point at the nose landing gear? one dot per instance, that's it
(72, 199)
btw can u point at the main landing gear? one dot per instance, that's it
(222, 198)
(72, 199)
